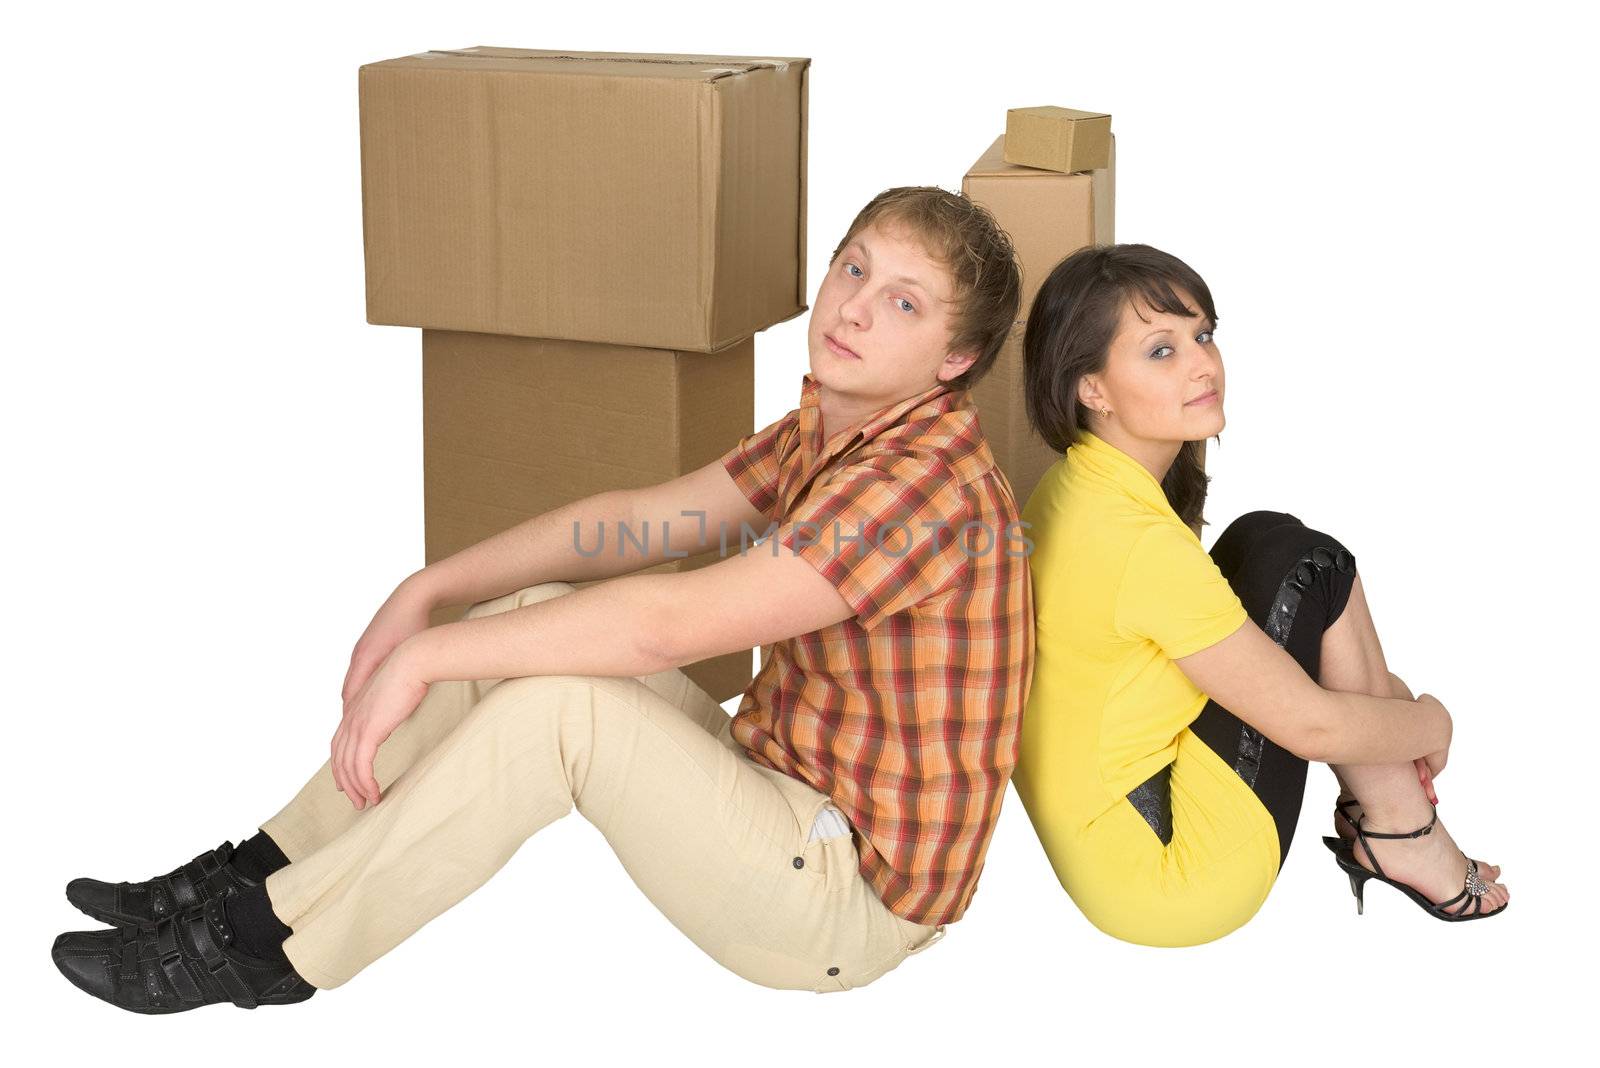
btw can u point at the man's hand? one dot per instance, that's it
(384, 702)
(405, 613)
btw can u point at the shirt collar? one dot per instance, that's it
(1107, 463)
(935, 401)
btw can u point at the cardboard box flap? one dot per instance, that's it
(606, 64)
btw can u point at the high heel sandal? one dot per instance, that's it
(1338, 844)
(1473, 891)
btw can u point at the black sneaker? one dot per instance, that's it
(166, 895)
(179, 963)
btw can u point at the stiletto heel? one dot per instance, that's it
(1357, 884)
(1467, 905)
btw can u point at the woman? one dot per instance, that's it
(1178, 696)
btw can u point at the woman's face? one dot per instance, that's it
(1163, 377)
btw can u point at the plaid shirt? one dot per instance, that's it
(908, 716)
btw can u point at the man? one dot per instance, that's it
(831, 828)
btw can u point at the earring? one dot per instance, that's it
(1105, 411)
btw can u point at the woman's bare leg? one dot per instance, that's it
(1391, 796)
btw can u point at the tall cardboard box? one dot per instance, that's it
(649, 200)
(1049, 216)
(513, 427)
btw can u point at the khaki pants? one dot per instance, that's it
(717, 842)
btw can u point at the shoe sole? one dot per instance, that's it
(298, 996)
(1347, 862)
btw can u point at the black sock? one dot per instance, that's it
(258, 857)
(256, 928)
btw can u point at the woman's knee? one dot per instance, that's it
(1276, 543)
(1281, 563)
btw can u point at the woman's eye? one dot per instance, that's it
(849, 267)
(1161, 352)
(905, 305)
(1204, 337)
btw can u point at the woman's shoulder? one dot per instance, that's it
(1068, 506)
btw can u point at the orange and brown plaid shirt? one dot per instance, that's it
(908, 716)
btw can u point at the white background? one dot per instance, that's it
(214, 478)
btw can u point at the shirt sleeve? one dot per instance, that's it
(753, 463)
(1173, 594)
(887, 541)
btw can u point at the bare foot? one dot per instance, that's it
(1430, 865)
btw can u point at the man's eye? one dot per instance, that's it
(906, 305)
(852, 267)
(1161, 352)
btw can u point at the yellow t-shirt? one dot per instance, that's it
(1122, 588)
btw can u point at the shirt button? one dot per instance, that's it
(833, 971)
(799, 862)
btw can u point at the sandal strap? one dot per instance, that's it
(1362, 834)
(1472, 891)
(1418, 833)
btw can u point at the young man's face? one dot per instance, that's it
(881, 324)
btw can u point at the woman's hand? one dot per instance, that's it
(1425, 777)
(404, 614)
(385, 701)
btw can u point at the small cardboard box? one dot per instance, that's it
(1058, 139)
(646, 200)
(513, 427)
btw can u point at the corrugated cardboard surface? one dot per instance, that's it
(1058, 139)
(1021, 454)
(1048, 215)
(637, 199)
(513, 427)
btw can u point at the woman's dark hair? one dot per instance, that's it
(1069, 334)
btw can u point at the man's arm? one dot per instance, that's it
(682, 517)
(638, 624)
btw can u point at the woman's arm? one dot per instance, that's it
(1252, 677)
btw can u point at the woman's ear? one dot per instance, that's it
(1089, 393)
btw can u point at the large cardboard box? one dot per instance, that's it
(1049, 216)
(636, 199)
(513, 427)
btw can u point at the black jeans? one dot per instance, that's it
(1294, 582)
